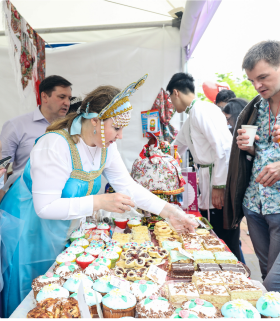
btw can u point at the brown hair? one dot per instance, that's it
(97, 99)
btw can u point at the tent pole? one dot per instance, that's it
(151, 24)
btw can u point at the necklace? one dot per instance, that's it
(90, 152)
(269, 138)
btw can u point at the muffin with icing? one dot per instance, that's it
(89, 226)
(104, 227)
(142, 288)
(95, 271)
(65, 257)
(75, 249)
(67, 269)
(80, 242)
(240, 309)
(97, 243)
(118, 304)
(104, 261)
(42, 280)
(154, 307)
(269, 305)
(204, 309)
(115, 248)
(130, 245)
(52, 291)
(133, 222)
(147, 244)
(84, 260)
(112, 243)
(94, 251)
(72, 284)
(90, 300)
(76, 234)
(111, 255)
(103, 285)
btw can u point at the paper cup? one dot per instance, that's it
(251, 132)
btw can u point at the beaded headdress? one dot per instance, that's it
(119, 109)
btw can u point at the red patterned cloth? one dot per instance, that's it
(28, 51)
(166, 111)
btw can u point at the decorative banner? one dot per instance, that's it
(27, 51)
(150, 123)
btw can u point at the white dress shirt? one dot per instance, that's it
(206, 134)
(51, 167)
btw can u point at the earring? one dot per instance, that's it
(94, 132)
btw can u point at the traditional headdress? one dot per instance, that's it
(119, 109)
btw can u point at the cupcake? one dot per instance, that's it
(65, 257)
(154, 307)
(104, 227)
(239, 309)
(115, 249)
(72, 284)
(52, 291)
(118, 304)
(80, 242)
(147, 244)
(103, 285)
(128, 245)
(42, 280)
(142, 288)
(76, 234)
(111, 255)
(75, 249)
(112, 243)
(84, 260)
(104, 261)
(90, 300)
(95, 271)
(99, 243)
(67, 269)
(203, 308)
(133, 222)
(94, 251)
(89, 226)
(269, 305)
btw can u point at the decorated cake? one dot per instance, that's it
(111, 255)
(128, 245)
(103, 261)
(103, 227)
(52, 291)
(154, 307)
(42, 280)
(65, 257)
(118, 303)
(114, 248)
(72, 284)
(225, 257)
(269, 305)
(67, 269)
(181, 291)
(184, 314)
(84, 260)
(203, 308)
(240, 309)
(76, 234)
(80, 242)
(89, 226)
(103, 285)
(143, 288)
(75, 249)
(93, 250)
(97, 243)
(112, 243)
(96, 270)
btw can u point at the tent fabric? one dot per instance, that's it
(117, 62)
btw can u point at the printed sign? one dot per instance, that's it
(104, 237)
(82, 224)
(85, 314)
(156, 274)
(119, 283)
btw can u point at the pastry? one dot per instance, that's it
(103, 285)
(203, 257)
(97, 243)
(65, 257)
(118, 304)
(95, 271)
(246, 292)
(184, 314)
(204, 309)
(215, 294)
(67, 269)
(234, 278)
(72, 284)
(76, 234)
(103, 261)
(177, 257)
(115, 248)
(42, 280)
(90, 299)
(182, 269)
(111, 255)
(84, 260)
(202, 231)
(129, 245)
(233, 267)
(75, 249)
(142, 288)
(269, 305)
(168, 245)
(103, 227)
(239, 309)
(192, 246)
(207, 278)
(181, 291)
(207, 267)
(80, 242)
(154, 307)
(225, 257)
(157, 252)
(52, 291)
(112, 243)
(94, 251)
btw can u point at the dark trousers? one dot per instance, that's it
(230, 237)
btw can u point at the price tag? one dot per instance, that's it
(119, 283)
(104, 237)
(156, 274)
(82, 224)
(85, 314)
(99, 311)
(185, 253)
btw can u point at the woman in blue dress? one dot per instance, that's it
(59, 187)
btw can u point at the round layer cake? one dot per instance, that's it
(154, 307)
(95, 271)
(240, 309)
(269, 305)
(67, 269)
(203, 308)
(72, 284)
(142, 288)
(52, 291)
(43, 280)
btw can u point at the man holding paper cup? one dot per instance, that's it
(253, 182)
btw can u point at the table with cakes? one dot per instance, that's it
(200, 277)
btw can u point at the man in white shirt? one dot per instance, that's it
(206, 134)
(19, 134)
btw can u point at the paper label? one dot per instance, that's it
(156, 274)
(185, 253)
(82, 224)
(120, 283)
(104, 237)
(99, 311)
(85, 314)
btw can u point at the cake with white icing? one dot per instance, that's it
(67, 269)
(90, 298)
(84, 260)
(80, 242)
(103, 226)
(76, 234)
(215, 294)
(75, 249)
(154, 307)
(142, 288)
(204, 309)
(184, 314)
(103, 285)
(94, 251)
(52, 291)
(240, 309)
(42, 280)
(65, 257)
(72, 284)
(207, 278)
(103, 261)
(95, 271)
(225, 257)
(181, 291)
(269, 305)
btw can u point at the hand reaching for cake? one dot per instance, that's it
(178, 219)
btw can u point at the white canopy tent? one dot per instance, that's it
(120, 41)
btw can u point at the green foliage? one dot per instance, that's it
(241, 87)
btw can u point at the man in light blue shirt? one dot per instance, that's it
(19, 134)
